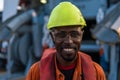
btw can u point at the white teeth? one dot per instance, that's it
(68, 49)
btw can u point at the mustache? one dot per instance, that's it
(68, 46)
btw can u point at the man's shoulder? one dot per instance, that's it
(97, 67)
(99, 71)
(34, 72)
(35, 67)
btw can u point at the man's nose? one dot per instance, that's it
(68, 39)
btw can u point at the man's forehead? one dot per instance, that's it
(67, 28)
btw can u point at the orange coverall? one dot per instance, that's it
(41, 69)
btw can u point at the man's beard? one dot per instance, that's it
(66, 56)
(68, 59)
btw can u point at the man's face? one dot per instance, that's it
(67, 41)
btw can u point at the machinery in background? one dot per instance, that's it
(23, 46)
(107, 32)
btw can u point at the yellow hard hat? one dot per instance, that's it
(65, 14)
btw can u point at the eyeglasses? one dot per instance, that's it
(62, 35)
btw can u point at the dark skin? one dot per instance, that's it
(67, 41)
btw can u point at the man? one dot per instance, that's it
(65, 61)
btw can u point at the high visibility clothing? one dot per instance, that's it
(47, 68)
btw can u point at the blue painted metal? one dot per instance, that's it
(37, 35)
(89, 8)
(103, 30)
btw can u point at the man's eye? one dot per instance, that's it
(75, 34)
(61, 35)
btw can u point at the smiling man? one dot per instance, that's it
(65, 61)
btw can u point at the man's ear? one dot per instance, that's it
(82, 31)
(52, 36)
